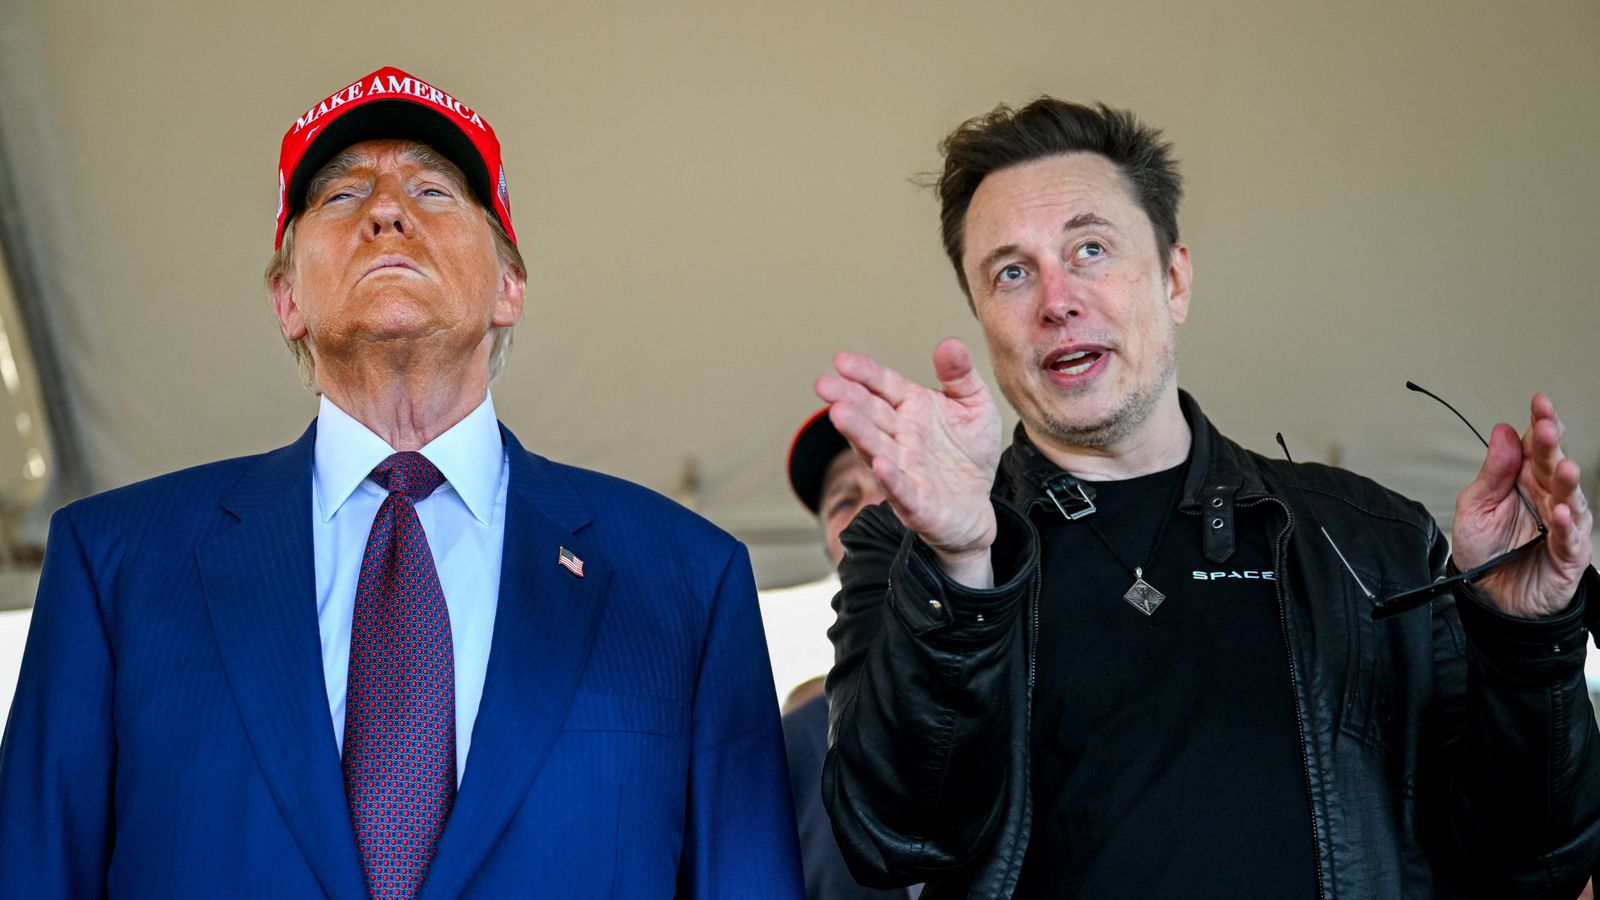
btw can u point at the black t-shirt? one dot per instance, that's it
(1166, 754)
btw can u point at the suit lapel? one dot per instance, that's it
(260, 586)
(544, 625)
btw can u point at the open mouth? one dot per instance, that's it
(1075, 363)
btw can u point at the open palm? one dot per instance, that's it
(934, 451)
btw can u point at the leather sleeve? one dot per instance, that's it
(1521, 806)
(928, 718)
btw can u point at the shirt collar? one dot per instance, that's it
(469, 454)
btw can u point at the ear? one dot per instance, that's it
(513, 290)
(281, 287)
(1180, 275)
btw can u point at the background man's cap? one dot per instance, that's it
(814, 448)
(391, 105)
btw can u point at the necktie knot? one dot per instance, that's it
(408, 473)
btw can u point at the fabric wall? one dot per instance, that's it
(714, 196)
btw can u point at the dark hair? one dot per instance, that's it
(1005, 137)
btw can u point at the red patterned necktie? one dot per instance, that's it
(400, 705)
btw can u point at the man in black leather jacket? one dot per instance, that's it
(1265, 711)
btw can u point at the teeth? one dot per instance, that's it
(1062, 364)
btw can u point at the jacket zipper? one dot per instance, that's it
(1008, 884)
(1033, 638)
(1279, 558)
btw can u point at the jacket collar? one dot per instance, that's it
(1221, 475)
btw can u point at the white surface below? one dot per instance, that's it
(1591, 668)
(13, 634)
(797, 620)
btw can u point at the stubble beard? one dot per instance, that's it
(1111, 429)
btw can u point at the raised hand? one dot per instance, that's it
(934, 452)
(1490, 519)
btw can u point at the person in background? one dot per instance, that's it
(834, 484)
(402, 656)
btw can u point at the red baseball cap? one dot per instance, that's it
(389, 104)
(814, 448)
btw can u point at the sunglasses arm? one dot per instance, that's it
(1405, 601)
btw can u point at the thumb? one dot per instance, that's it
(952, 365)
(1501, 466)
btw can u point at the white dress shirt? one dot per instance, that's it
(464, 519)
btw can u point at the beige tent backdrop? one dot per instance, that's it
(714, 196)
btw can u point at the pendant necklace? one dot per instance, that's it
(1142, 595)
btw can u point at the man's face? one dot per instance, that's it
(1079, 313)
(392, 248)
(848, 487)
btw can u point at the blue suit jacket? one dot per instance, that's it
(170, 735)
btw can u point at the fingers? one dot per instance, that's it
(1570, 520)
(1565, 488)
(863, 418)
(836, 390)
(1542, 441)
(1582, 514)
(861, 396)
(952, 365)
(1559, 480)
(874, 376)
(1544, 408)
(868, 440)
(1501, 465)
(1550, 478)
(1569, 543)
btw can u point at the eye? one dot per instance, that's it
(432, 191)
(842, 504)
(1010, 273)
(333, 196)
(1090, 250)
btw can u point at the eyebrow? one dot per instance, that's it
(337, 168)
(416, 154)
(842, 487)
(1081, 220)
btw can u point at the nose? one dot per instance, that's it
(1058, 297)
(872, 496)
(386, 211)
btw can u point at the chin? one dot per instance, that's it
(1084, 424)
(401, 321)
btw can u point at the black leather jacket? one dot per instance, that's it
(1448, 751)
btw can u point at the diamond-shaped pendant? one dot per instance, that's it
(1143, 596)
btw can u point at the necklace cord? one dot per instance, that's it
(1161, 531)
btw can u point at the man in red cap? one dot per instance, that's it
(834, 483)
(402, 656)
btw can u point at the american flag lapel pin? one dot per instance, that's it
(570, 562)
